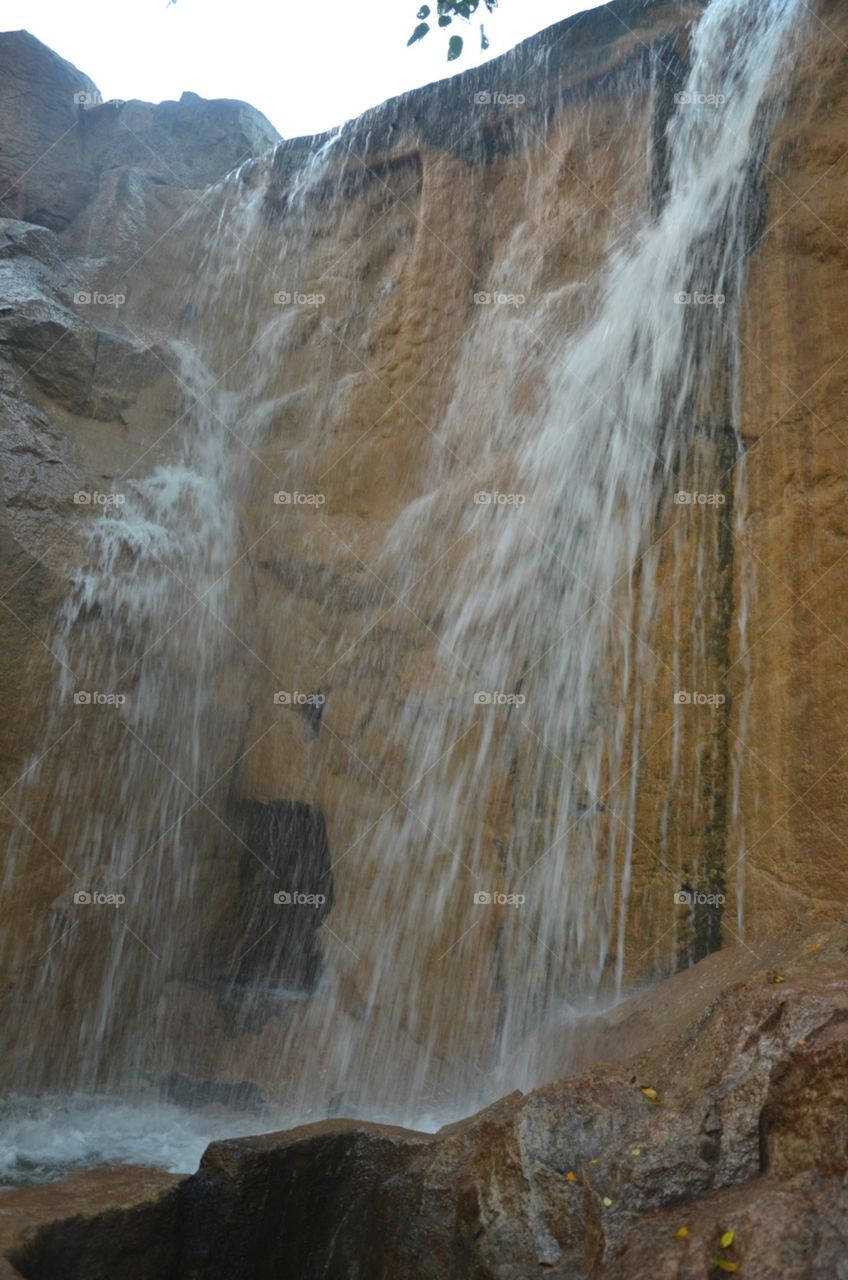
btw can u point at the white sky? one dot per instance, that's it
(308, 64)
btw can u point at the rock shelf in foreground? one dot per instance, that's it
(636, 1165)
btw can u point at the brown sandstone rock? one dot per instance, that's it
(118, 1223)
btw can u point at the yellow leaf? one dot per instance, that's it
(649, 1093)
(607, 1201)
(682, 1232)
(777, 978)
(725, 1265)
(571, 1177)
(817, 946)
(727, 1239)
(636, 1151)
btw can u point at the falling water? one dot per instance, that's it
(526, 558)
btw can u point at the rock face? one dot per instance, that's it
(60, 139)
(638, 1165)
(41, 169)
(434, 186)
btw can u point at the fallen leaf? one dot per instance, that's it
(607, 1201)
(682, 1232)
(649, 1093)
(800, 1044)
(725, 1265)
(817, 946)
(570, 1176)
(776, 978)
(727, 1239)
(636, 1151)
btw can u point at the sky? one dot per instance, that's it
(307, 64)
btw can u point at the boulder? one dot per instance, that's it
(720, 1147)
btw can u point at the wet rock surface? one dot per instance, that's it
(724, 1143)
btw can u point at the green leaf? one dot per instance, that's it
(454, 48)
(484, 39)
(445, 22)
(423, 12)
(419, 33)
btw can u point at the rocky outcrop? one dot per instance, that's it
(42, 177)
(718, 1147)
(60, 139)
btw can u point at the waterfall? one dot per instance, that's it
(495, 704)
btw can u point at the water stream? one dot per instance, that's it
(500, 749)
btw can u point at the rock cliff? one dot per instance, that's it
(517, 177)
